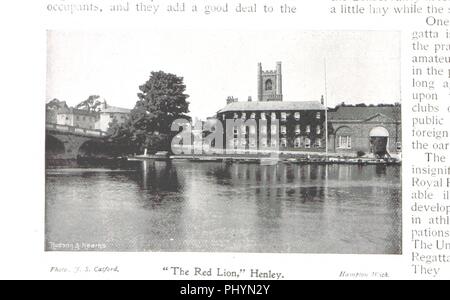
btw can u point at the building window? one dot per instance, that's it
(318, 129)
(235, 143)
(263, 129)
(274, 143)
(253, 116)
(78, 118)
(308, 129)
(236, 131)
(344, 142)
(253, 143)
(297, 116)
(318, 143)
(307, 143)
(243, 129)
(263, 116)
(236, 116)
(297, 143)
(264, 143)
(274, 116)
(283, 116)
(273, 128)
(318, 116)
(244, 142)
(284, 142)
(297, 129)
(244, 116)
(283, 129)
(252, 130)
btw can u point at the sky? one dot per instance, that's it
(361, 66)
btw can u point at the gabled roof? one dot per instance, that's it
(272, 106)
(353, 113)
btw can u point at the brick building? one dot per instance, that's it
(352, 130)
(58, 112)
(108, 114)
(368, 129)
(77, 118)
(52, 108)
(300, 125)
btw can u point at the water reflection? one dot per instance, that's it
(159, 176)
(183, 206)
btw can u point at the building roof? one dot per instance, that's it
(354, 113)
(115, 109)
(76, 111)
(272, 106)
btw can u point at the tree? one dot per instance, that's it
(90, 104)
(52, 108)
(56, 104)
(397, 115)
(113, 127)
(162, 100)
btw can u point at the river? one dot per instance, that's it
(214, 207)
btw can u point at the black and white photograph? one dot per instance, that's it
(224, 141)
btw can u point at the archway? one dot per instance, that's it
(53, 147)
(379, 139)
(92, 148)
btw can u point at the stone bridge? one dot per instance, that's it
(69, 142)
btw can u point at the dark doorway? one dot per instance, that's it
(378, 145)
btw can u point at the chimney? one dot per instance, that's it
(231, 99)
(249, 98)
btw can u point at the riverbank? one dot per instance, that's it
(274, 159)
(262, 159)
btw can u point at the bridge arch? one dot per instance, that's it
(96, 148)
(92, 148)
(54, 147)
(69, 143)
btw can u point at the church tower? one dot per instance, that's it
(270, 86)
